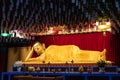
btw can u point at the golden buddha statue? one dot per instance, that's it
(62, 54)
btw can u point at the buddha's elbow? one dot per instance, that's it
(26, 60)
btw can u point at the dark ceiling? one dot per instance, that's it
(33, 15)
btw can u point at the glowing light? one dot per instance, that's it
(97, 23)
(5, 34)
(108, 23)
(102, 26)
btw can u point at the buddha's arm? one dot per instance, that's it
(32, 59)
(29, 55)
(36, 59)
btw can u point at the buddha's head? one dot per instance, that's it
(39, 48)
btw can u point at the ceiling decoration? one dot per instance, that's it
(34, 15)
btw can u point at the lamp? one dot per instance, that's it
(5, 34)
(103, 24)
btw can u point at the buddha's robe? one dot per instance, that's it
(68, 53)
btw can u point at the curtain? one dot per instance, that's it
(88, 41)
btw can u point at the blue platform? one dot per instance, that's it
(66, 72)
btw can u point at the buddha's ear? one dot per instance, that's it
(43, 45)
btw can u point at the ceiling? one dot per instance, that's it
(34, 15)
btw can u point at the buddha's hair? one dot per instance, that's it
(36, 43)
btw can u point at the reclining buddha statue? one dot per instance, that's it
(63, 53)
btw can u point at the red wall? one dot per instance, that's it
(90, 41)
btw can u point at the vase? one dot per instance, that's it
(101, 69)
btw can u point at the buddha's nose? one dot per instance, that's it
(37, 48)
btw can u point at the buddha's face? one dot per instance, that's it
(38, 48)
